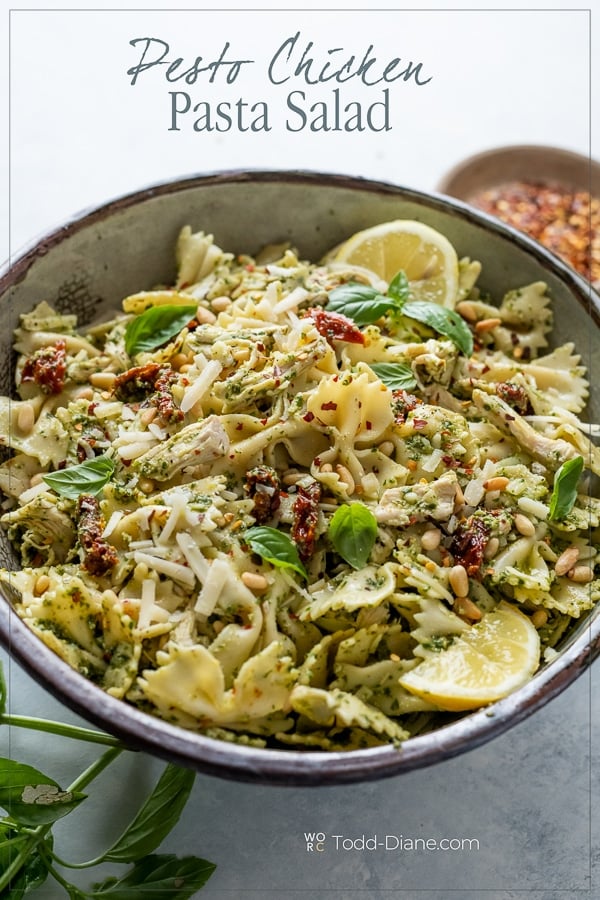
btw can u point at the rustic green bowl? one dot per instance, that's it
(96, 259)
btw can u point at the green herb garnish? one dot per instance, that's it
(156, 326)
(275, 547)
(564, 492)
(85, 478)
(34, 802)
(396, 376)
(365, 304)
(352, 531)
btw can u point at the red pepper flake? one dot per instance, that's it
(419, 423)
(329, 405)
(369, 425)
(239, 426)
(308, 417)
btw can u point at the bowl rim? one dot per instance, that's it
(477, 165)
(143, 731)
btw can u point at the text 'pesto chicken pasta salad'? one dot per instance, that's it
(296, 504)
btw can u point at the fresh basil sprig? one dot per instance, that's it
(155, 326)
(444, 321)
(35, 802)
(564, 492)
(365, 304)
(360, 302)
(396, 376)
(88, 477)
(275, 547)
(352, 531)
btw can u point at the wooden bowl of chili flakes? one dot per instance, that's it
(551, 194)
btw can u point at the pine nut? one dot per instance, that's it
(464, 607)
(104, 381)
(539, 618)
(487, 325)
(491, 548)
(36, 479)
(147, 485)
(467, 311)
(430, 539)
(581, 574)
(566, 560)
(255, 581)
(205, 316)
(148, 415)
(180, 359)
(326, 467)
(25, 418)
(346, 478)
(387, 448)
(518, 352)
(459, 581)
(41, 585)
(498, 483)
(218, 627)
(220, 304)
(85, 394)
(524, 525)
(292, 477)
(459, 498)
(185, 368)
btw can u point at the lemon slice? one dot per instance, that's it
(426, 256)
(489, 661)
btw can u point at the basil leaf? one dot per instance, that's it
(34, 871)
(30, 797)
(360, 302)
(275, 547)
(444, 321)
(156, 326)
(156, 818)
(397, 376)
(160, 877)
(352, 531)
(88, 477)
(564, 492)
(399, 288)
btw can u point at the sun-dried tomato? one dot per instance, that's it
(305, 518)
(136, 383)
(262, 484)
(152, 383)
(468, 544)
(99, 556)
(516, 396)
(335, 327)
(47, 368)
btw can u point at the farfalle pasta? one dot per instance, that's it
(244, 511)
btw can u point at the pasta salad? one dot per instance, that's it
(292, 504)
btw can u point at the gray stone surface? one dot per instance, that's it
(526, 798)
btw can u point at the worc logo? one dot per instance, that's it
(315, 841)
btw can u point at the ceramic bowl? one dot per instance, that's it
(101, 256)
(524, 162)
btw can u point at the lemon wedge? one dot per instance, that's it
(426, 256)
(489, 661)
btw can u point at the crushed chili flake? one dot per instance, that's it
(329, 405)
(565, 221)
